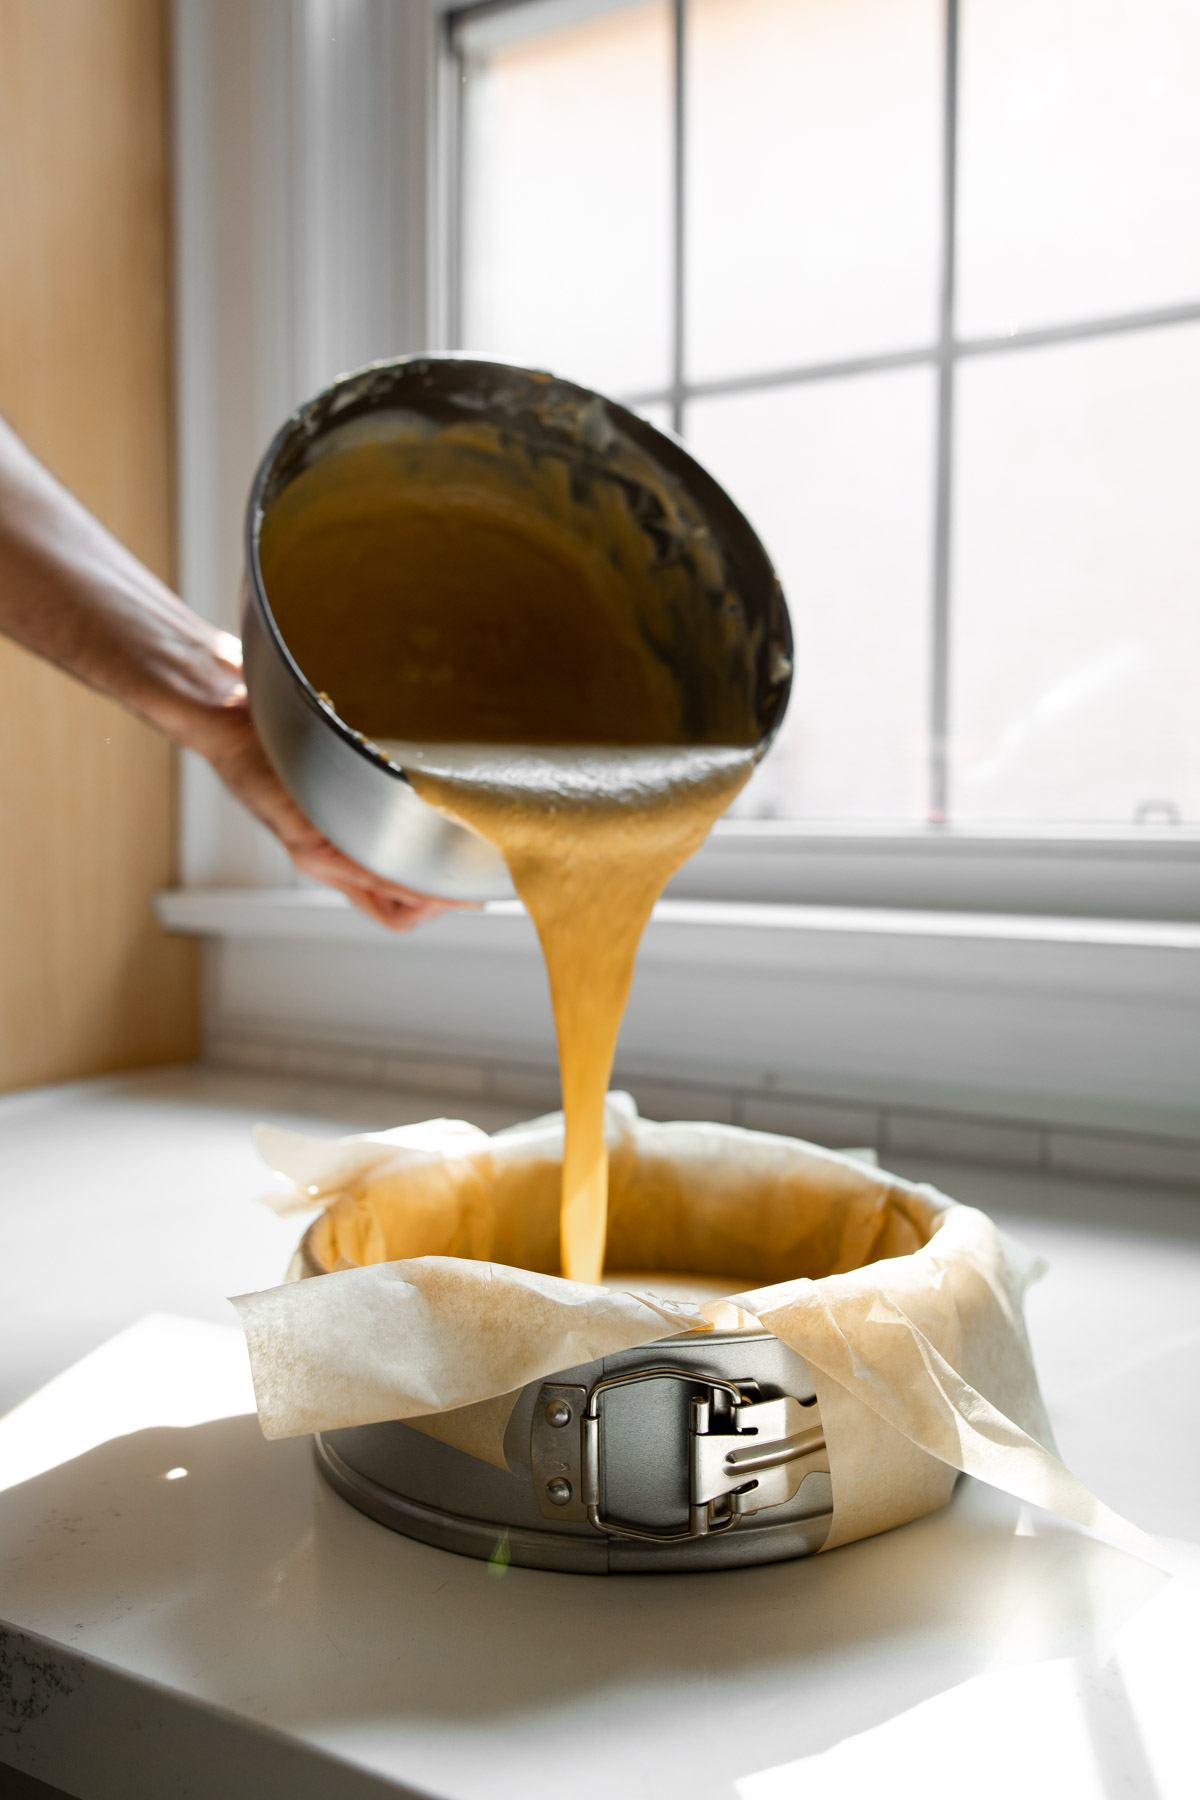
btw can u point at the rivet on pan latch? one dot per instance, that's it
(555, 1452)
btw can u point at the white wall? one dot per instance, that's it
(302, 207)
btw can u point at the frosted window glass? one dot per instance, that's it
(814, 156)
(1079, 142)
(836, 477)
(1076, 622)
(657, 413)
(567, 194)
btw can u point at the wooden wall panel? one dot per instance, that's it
(87, 981)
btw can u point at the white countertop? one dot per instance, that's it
(189, 1612)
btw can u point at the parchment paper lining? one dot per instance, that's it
(443, 1299)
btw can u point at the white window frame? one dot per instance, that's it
(322, 226)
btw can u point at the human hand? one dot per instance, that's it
(71, 593)
(232, 745)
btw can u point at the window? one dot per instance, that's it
(917, 279)
(324, 218)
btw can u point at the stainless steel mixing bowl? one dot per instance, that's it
(363, 803)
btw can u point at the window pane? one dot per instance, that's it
(1076, 640)
(567, 190)
(837, 478)
(813, 172)
(658, 413)
(1080, 159)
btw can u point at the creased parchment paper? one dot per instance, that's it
(442, 1299)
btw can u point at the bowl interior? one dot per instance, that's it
(458, 551)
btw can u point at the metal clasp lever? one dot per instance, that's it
(758, 1459)
(787, 1442)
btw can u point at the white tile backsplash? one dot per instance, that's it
(1124, 1159)
(977, 1140)
(816, 1121)
(669, 1100)
(905, 1134)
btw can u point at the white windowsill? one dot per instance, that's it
(322, 916)
(1066, 873)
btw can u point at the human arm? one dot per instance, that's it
(70, 592)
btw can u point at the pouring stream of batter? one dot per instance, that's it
(589, 858)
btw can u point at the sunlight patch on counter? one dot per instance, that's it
(163, 1370)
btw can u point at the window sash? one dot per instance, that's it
(944, 355)
(237, 314)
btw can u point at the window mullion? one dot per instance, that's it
(678, 211)
(939, 683)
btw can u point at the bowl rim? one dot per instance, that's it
(376, 389)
